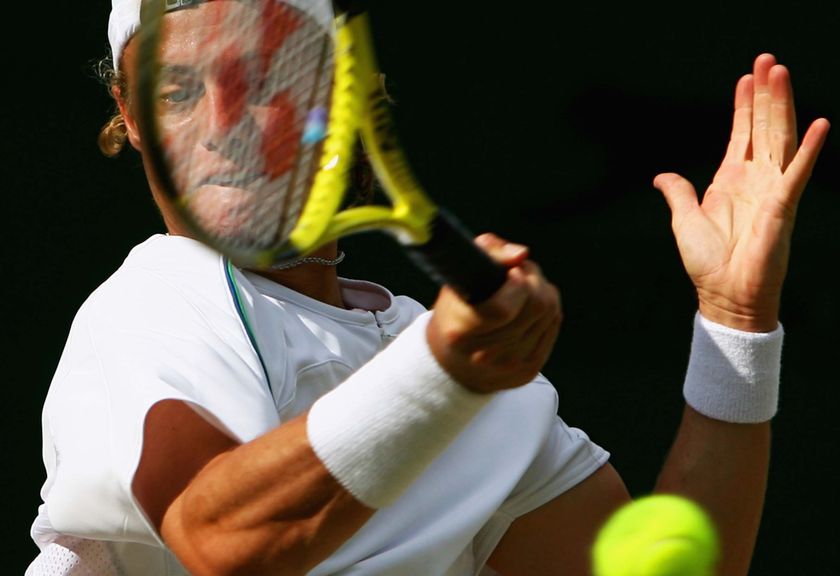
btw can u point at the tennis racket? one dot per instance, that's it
(251, 112)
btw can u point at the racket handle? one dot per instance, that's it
(451, 257)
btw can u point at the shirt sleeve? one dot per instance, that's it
(132, 345)
(565, 458)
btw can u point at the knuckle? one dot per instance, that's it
(500, 311)
(549, 299)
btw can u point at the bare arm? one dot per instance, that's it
(271, 506)
(230, 508)
(735, 246)
(556, 537)
(721, 465)
(724, 467)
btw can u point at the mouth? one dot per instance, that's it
(234, 180)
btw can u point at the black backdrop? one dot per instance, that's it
(546, 126)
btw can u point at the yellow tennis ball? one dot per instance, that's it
(657, 535)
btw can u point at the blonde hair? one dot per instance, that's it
(113, 134)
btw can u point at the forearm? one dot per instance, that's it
(735, 244)
(285, 501)
(723, 466)
(269, 506)
(721, 454)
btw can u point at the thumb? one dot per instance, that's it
(506, 253)
(678, 192)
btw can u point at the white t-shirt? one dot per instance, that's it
(177, 321)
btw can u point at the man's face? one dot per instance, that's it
(232, 111)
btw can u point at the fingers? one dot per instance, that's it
(527, 304)
(504, 341)
(506, 253)
(740, 139)
(509, 299)
(774, 116)
(799, 171)
(545, 312)
(538, 316)
(518, 350)
(761, 106)
(782, 117)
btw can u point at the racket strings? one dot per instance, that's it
(314, 131)
(245, 154)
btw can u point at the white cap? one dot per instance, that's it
(122, 24)
(125, 18)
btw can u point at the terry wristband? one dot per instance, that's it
(733, 375)
(380, 429)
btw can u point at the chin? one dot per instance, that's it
(239, 216)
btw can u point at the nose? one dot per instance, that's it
(227, 104)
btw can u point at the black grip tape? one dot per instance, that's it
(451, 257)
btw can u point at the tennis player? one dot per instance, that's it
(211, 420)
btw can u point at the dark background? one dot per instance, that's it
(546, 126)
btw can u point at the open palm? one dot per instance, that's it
(736, 242)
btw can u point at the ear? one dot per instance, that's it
(128, 118)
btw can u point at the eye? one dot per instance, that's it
(180, 95)
(178, 92)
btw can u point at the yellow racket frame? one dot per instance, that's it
(359, 107)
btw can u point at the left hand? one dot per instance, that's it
(736, 243)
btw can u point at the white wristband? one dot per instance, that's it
(381, 428)
(733, 375)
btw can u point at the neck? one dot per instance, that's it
(314, 280)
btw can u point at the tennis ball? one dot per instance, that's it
(657, 535)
